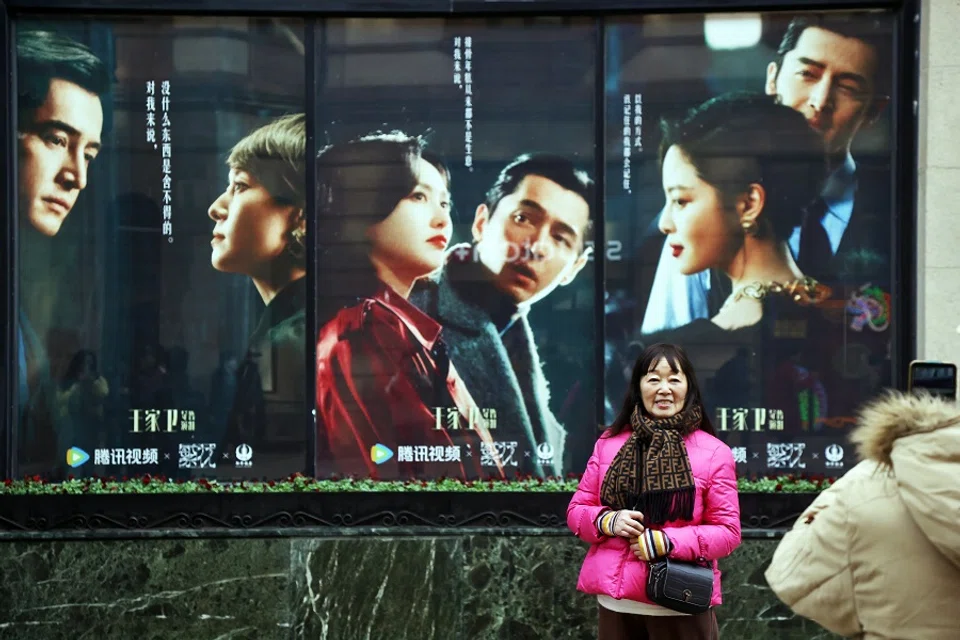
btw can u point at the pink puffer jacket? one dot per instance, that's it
(610, 567)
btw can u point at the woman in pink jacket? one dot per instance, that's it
(658, 484)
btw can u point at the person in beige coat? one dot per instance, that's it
(877, 555)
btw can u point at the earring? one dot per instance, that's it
(750, 228)
(296, 245)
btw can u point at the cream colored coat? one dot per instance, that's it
(877, 555)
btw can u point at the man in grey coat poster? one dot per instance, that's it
(529, 237)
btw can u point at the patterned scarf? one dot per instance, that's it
(651, 472)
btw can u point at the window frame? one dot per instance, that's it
(286, 514)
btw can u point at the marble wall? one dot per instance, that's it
(350, 588)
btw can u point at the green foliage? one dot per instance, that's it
(299, 483)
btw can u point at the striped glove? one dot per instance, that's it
(606, 521)
(653, 544)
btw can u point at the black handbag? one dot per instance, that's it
(686, 587)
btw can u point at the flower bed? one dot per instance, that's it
(298, 483)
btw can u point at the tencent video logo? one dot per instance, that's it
(76, 456)
(380, 454)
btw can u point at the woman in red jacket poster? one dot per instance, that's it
(384, 383)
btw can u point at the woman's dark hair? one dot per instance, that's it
(77, 364)
(743, 138)
(677, 358)
(359, 183)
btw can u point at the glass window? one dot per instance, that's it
(456, 290)
(463, 181)
(749, 172)
(161, 219)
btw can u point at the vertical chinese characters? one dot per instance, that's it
(165, 146)
(638, 122)
(627, 145)
(632, 133)
(152, 113)
(463, 77)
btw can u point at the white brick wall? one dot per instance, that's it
(938, 234)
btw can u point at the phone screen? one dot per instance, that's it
(937, 378)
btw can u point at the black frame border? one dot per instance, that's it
(401, 8)
(416, 513)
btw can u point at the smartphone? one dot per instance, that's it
(936, 378)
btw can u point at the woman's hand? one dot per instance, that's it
(628, 524)
(623, 524)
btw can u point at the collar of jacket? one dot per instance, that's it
(288, 302)
(424, 328)
(897, 415)
(465, 297)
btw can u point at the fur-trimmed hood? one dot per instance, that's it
(877, 555)
(896, 415)
(917, 440)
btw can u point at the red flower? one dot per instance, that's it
(37, 478)
(70, 477)
(272, 483)
(779, 487)
(145, 480)
(7, 482)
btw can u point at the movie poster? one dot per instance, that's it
(455, 203)
(161, 226)
(744, 192)
(750, 176)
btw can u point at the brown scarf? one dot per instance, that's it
(651, 472)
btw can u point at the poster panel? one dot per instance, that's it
(456, 296)
(750, 177)
(161, 204)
